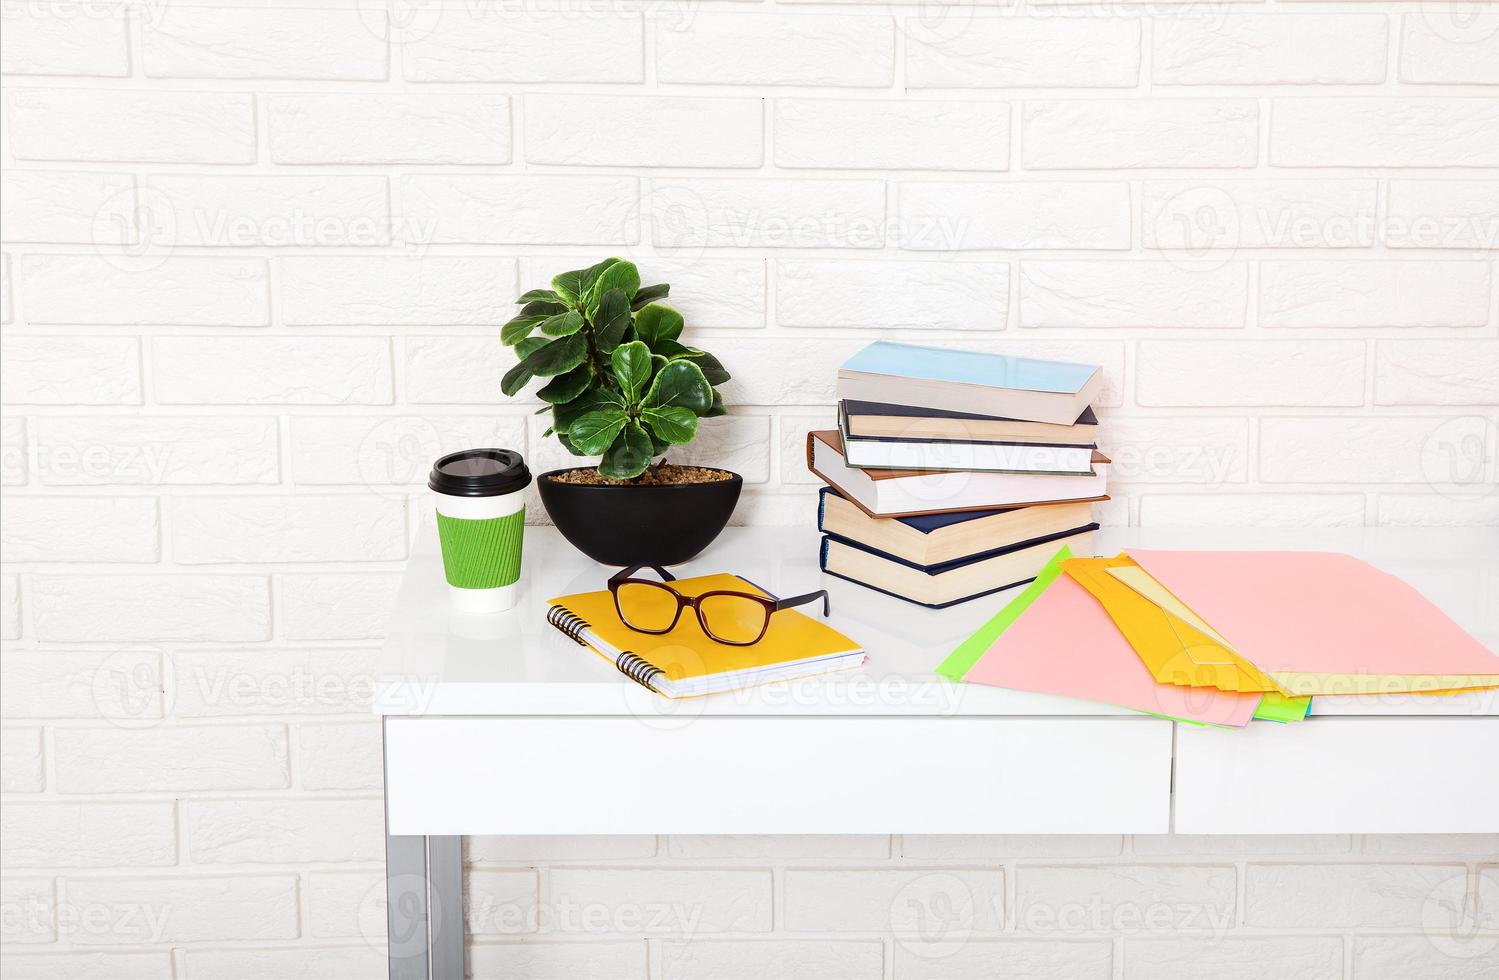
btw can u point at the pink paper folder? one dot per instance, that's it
(1065, 643)
(1323, 620)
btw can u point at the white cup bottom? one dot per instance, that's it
(484, 600)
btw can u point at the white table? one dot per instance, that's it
(501, 725)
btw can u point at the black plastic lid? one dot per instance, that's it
(479, 473)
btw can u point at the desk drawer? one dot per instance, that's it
(1339, 776)
(778, 775)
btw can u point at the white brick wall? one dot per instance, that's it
(254, 257)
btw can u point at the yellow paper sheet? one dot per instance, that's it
(1174, 651)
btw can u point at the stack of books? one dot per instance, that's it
(954, 474)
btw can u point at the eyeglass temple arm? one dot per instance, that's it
(625, 573)
(800, 600)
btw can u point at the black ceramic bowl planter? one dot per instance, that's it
(622, 524)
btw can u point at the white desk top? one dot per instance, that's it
(438, 663)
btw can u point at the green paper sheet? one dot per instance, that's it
(1282, 708)
(961, 661)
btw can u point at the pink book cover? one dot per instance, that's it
(1065, 643)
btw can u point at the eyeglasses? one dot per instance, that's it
(737, 618)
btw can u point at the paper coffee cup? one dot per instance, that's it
(481, 522)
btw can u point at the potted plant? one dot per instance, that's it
(624, 388)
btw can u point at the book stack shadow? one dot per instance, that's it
(952, 474)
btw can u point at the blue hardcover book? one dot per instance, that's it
(999, 385)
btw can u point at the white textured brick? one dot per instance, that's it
(447, 127)
(64, 39)
(272, 211)
(1177, 449)
(155, 450)
(151, 607)
(180, 291)
(53, 370)
(1450, 45)
(132, 125)
(779, 847)
(691, 901)
(504, 903)
(164, 760)
(334, 606)
(65, 207)
(123, 685)
(272, 370)
(1094, 293)
(767, 213)
(1237, 48)
(346, 905)
(776, 49)
(597, 961)
(981, 960)
(29, 905)
(537, 43)
(7, 291)
(1365, 449)
(1408, 293)
(456, 370)
(85, 529)
(1384, 132)
(10, 607)
(257, 962)
(112, 963)
(344, 756)
(1126, 898)
(739, 442)
(1014, 215)
(1251, 510)
(389, 290)
(643, 131)
(208, 683)
(899, 900)
(1363, 896)
(892, 295)
(1443, 214)
(989, 847)
(1435, 510)
(522, 210)
(1230, 846)
(214, 530)
(558, 847)
(1249, 372)
(1436, 372)
(186, 909)
(284, 831)
(1022, 52)
(88, 835)
(1459, 956)
(22, 768)
(14, 465)
(781, 959)
(707, 292)
(1484, 847)
(1224, 213)
(1116, 134)
(279, 42)
(1236, 958)
(390, 450)
(892, 135)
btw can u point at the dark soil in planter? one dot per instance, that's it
(667, 475)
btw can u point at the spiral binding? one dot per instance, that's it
(569, 623)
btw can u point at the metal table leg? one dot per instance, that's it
(424, 906)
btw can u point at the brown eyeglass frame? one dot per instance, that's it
(772, 605)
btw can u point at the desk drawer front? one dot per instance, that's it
(778, 776)
(1339, 776)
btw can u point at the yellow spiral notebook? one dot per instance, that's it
(686, 662)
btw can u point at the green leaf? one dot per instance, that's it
(570, 287)
(539, 295)
(568, 444)
(541, 309)
(519, 329)
(713, 371)
(530, 345)
(672, 425)
(656, 323)
(563, 324)
(612, 320)
(671, 349)
(632, 369)
(515, 379)
(558, 357)
(565, 387)
(680, 383)
(592, 273)
(649, 294)
(595, 432)
(620, 275)
(716, 409)
(595, 399)
(629, 456)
